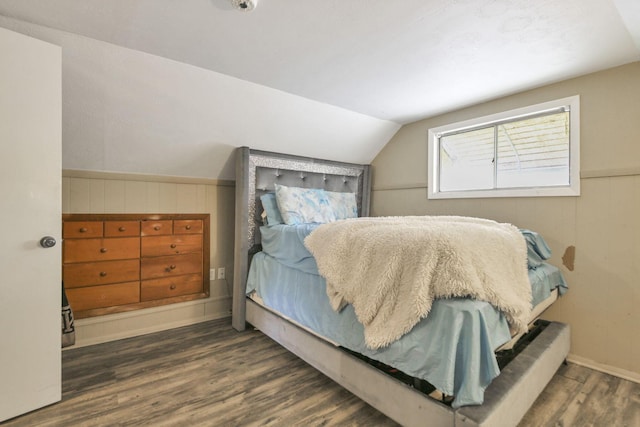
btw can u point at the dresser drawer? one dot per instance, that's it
(100, 273)
(171, 245)
(105, 258)
(187, 226)
(165, 266)
(103, 296)
(157, 227)
(84, 250)
(121, 228)
(81, 229)
(170, 287)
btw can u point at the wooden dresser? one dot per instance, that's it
(120, 262)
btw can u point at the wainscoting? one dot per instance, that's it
(106, 192)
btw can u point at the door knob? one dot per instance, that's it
(47, 242)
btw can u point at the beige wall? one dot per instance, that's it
(99, 192)
(603, 303)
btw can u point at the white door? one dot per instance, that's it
(30, 191)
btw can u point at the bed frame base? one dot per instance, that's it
(507, 398)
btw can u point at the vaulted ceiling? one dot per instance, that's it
(396, 61)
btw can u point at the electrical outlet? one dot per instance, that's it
(221, 273)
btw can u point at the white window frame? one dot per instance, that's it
(573, 189)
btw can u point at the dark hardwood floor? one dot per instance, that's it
(208, 374)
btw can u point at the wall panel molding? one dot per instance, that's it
(121, 176)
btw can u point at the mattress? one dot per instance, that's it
(453, 348)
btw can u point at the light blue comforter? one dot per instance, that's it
(453, 348)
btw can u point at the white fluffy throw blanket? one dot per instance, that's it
(392, 268)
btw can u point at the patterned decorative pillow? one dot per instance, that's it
(270, 206)
(303, 205)
(344, 205)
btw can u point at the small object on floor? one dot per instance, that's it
(68, 329)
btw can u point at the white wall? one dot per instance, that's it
(128, 111)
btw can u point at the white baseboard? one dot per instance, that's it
(611, 370)
(101, 329)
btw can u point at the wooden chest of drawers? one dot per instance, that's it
(120, 262)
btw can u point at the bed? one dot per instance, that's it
(256, 302)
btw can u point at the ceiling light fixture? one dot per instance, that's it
(244, 5)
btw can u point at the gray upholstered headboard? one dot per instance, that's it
(257, 172)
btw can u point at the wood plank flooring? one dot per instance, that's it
(208, 374)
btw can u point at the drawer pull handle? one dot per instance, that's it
(172, 287)
(121, 229)
(103, 250)
(188, 227)
(173, 245)
(157, 227)
(103, 273)
(83, 230)
(172, 266)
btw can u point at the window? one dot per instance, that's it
(532, 151)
